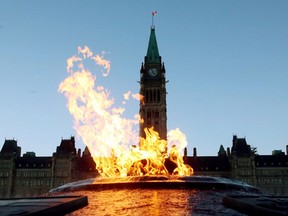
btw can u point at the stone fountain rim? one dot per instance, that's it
(157, 182)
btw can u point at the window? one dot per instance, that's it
(147, 96)
(156, 114)
(158, 96)
(149, 114)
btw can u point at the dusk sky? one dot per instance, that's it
(226, 62)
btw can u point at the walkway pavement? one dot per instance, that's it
(258, 205)
(57, 205)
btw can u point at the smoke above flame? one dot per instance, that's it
(111, 138)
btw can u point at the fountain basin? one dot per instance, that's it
(156, 195)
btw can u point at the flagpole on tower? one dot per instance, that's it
(153, 14)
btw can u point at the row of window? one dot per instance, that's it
(33, 165)
(153, 114)
(33, 182)
(149, 123)
(272, 164)
(3, 182)
(207, 168)
(59, 182)
(152, 95)
(61, 164)
(246, 180)
(246, 163)
(34, 174)
(244, 172)
(272, 181)
(4, 174)
(5, 165)
(271, 172)
(61, 173)
(42, 182)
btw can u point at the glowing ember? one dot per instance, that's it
(111, 138)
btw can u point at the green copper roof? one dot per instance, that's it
(153, 52)
(221, 150)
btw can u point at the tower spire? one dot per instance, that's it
(152, 55)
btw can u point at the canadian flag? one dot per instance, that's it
(154, 13)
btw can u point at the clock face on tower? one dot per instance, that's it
(152, 72)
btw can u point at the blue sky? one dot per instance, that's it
(226, 62)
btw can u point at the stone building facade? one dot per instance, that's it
(267, 172)
(28, 175)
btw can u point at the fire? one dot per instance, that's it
(136, 96)
(177, 142)
(112, 139)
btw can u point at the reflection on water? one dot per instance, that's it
(154, 202)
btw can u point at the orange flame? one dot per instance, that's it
(136, 96)
(102, 62)
(111, 138)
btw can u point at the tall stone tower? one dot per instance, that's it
(153, 110)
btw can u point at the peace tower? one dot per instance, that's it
(153, 109)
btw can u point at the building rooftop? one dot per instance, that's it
(240, 147)
(271, 160)
(67, 146)
(33, 162)
(209, 163)
(10, 147)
